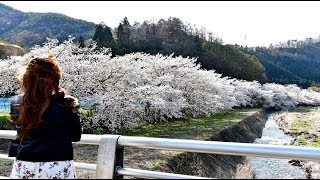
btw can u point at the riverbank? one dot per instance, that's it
(223, 166)
(221, 125)
(244, 125)
(303, 124)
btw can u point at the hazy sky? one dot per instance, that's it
(246, 23)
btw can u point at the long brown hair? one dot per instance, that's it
(39, 82)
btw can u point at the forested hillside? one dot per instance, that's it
(173, 36)
(292, 62)
(164, 37)
(28, 29)
(295, 61)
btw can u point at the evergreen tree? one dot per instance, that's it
(99, 34)
(103, 35)
(107, 38)
(81, 42)
(123, 37)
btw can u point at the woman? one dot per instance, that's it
(47, 122)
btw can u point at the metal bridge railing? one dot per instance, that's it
(110, 153)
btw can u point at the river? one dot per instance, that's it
(271, 168)
(4, 105)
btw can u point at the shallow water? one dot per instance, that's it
(5, 105)
(271, 168)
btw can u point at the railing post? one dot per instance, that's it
(106, 159)
(119, 161)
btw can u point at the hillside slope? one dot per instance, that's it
(28, 29)
(10, 50)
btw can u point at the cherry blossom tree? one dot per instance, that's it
(127, 91)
